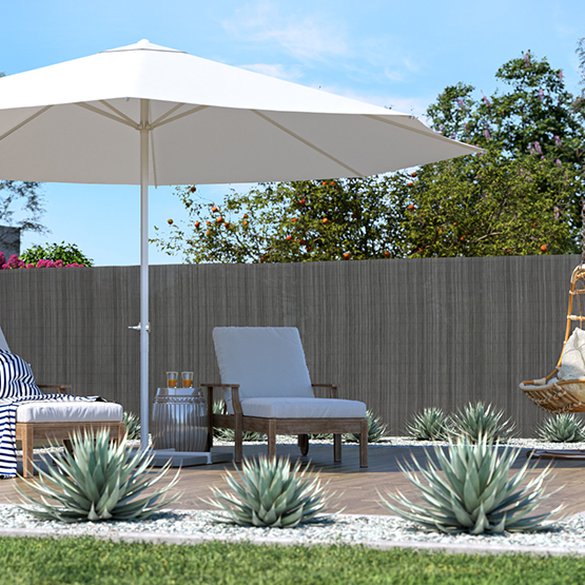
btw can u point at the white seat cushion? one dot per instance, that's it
(264, 361)
(538, 384)
(303, 408)
(68, 411)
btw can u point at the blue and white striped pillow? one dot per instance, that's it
(16, 377)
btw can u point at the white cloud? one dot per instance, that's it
(307, 37)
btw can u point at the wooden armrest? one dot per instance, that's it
(331, 387)
(60, 388)
(214, 385)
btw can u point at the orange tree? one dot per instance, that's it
(291, 222)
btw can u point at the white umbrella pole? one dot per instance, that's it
(144, 323)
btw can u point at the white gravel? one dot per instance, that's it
(565, 536)
(189, 527)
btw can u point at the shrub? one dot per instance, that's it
(63, 253)
(471, 488)
(132, 424)
(97, 480)
(377, 429)
(562, 428)
(269, 492)
(229, 435)
(480, 420)
(432, 424)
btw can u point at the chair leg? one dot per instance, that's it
(271, 439)
(303, 441)
(238, 440)
(27, 452)
(337, 448)
(364, 443)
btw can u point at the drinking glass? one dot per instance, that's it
(187, 378)
(172, 379)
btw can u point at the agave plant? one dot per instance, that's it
(471, 488)
(269, 492)
(97, 480)
(132, 425)
(432, 424)
(376, 429)
(562, 428)
(480, 420)
(228, 435)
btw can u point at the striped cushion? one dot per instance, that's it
(16, 377)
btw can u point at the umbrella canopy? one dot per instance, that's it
(150, 115)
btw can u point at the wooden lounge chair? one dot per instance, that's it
(267, 389)
(42, 420)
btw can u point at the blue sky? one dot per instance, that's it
(398, 54)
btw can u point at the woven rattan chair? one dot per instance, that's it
(557, 392)
(267, 389)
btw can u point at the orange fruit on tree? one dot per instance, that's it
(544, 248)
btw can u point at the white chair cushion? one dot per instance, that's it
(538, 384)
(573, 361)
(3, 342)
(303, 408)
(264, 361)
(68, 411)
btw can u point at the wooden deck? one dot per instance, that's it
(356, 490)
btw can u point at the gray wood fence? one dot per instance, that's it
(399, 334)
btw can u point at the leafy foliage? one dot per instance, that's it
(229, 435)
(522, 196)
(66, 253)
(290, 222)
(562, 428)
(21, 205)
(132, 425)
(269, 492)
(480, 421)
(432, 424)
(471, 488)
(377, 429)
(97, 481)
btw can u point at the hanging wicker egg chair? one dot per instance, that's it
(560, 391)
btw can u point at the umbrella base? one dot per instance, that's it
(188, 458)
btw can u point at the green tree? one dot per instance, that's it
(21, 204)
(291, 222)
(521, 196)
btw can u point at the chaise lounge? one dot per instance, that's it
(267, 388)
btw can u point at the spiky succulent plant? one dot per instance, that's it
(98, 480)
(562, 428)
(480, 420)
(376, 429)
(132, 425)
(471, 488)
(269, 492)
(431, 424)
(229, 435)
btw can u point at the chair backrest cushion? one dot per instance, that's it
(264, 361)
(16, 377)
(3, 342)
(573, 359)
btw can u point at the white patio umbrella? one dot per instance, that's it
(149, 115)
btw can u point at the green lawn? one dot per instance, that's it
(88, 561)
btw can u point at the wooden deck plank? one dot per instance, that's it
(356, 490)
